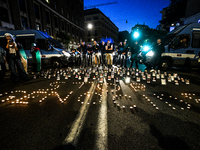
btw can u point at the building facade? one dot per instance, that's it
(97, 25)
(192, 12)
(51, 16)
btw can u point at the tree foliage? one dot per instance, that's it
(63, 38)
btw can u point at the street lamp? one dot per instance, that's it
(89, 26)
(136, 34)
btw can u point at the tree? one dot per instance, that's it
(63, 38)
(175, 11)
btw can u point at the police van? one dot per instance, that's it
(52, 52)
(182, 47)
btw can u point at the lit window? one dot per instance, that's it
(37, 27)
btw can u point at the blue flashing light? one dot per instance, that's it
(136, 34)
(45, 34)
(146, 48)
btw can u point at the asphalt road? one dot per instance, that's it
(69, 113)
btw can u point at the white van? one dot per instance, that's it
(182, 47)
(53, 53)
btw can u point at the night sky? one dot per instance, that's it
(134, 11)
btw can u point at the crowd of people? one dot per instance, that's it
(105, 53)
(13, 55)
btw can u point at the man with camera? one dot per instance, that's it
(13, 59)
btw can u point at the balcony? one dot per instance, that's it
(7, 25)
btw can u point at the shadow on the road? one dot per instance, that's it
(168, 142)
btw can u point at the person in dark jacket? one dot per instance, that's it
(103, 51)
(36, 58)
(158, 50)
(109, 52)
(90, 52)
(134, 53)
(13, 59)
(95, 49)
(83, 49)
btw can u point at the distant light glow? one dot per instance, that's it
(146, 48)
(136, 34)
(150, 53)
(89, 26)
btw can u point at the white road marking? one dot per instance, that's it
(102, 128)
(76, 127)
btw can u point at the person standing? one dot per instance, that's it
(73, 50)
(134, 52)
(159, 49)
(78, 55)
(119, 50)
(13, 59)
(84, 54)
(109, 51)
(90, 52)
(36, 58)
(103, 51)
(23, 56)
(95, 49)
(124, 54)
(2, 64)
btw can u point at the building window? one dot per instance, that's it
(77, 32)
(55, 5)
(89, 33)
(68, 15)
(72, 30)
(36, 10)
(95, 18)
(37, 26)
(4, 15)
(48, 31)
(24, 22)
(95, 33)
(47, 17)
(56, 32)
(68, 28)
(22, 5)
(63, 25)
(56, 21)
(196, 39)
(62, 12)
(88, 18)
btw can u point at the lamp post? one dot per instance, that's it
(89, 26)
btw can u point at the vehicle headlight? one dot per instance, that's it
(146, 48)
(66, 53)
(150, 53)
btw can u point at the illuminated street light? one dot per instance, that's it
(89, 26)
(136, 34)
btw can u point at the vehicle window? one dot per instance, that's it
(42, 44)
(26, 41)
(168, 39)
(196, 39)
(182, 41)
(55, 43)
(2, 42)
